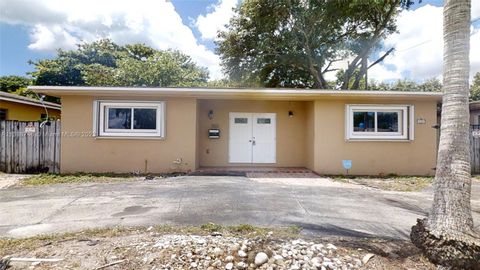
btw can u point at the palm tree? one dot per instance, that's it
(447, 236)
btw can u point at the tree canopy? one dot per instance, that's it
(293, 43)
(13, 83)
(475, 89)
(104, 63)
(18, 85)
(430, 85)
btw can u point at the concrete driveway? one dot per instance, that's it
(318, 205)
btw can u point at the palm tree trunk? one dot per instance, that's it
(451, 213)
(447, 236)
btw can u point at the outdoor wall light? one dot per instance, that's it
(290, 113)
(210, 114)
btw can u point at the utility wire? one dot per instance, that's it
(429, 40)
(414, 46)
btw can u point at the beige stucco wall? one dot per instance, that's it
(415, 157)
(25, 112)
(88, 154)
(313, 138)
(290, 130)
(310, 135)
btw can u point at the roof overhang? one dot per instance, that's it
(474, 105)
(27, 102)
(234, 93)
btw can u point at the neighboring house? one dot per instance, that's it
(109, 129)
(475, 113)
(15, 107)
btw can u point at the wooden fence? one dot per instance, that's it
(25, 147)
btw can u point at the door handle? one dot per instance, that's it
(253, 142)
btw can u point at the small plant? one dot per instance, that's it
(211, 227)
(295, 229)
(242, 228)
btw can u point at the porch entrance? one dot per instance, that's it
(252, 138)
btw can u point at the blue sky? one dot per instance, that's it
(33, 29)
(15, 38)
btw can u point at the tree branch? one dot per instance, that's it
(381, 58)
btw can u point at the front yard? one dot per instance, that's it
(208, 247)
(50, 179)
(297, 223)
(392, 183)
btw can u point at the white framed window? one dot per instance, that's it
(379, 122)
(129, 119)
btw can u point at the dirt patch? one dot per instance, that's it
(389, 183)
(187, 247)
(313, 181)
(8, 180)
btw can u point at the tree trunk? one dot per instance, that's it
(451, 213)
(361, 74)
(447, 236)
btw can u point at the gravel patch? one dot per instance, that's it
(154, 248)
(174, 251)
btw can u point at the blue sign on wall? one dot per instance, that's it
(347, 164)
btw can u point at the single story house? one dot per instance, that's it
(126, 129)
(15, 107)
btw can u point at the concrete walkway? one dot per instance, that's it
(318, 205)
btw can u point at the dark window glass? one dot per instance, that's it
(241, 120)
(364, 121)
(387, 122)
(3, 114)
(119, 118)
(144, 118)
(264, 121)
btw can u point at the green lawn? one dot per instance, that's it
(48, 179)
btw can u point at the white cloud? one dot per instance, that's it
(62, 24)
(53, 37)
(382, 73)
(475, 9)
(419, 46)
(212, 22)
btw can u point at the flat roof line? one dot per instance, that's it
(226, 92)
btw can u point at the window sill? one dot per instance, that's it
(129, 138)
(377, 140)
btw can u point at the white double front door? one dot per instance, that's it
(252, 138)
